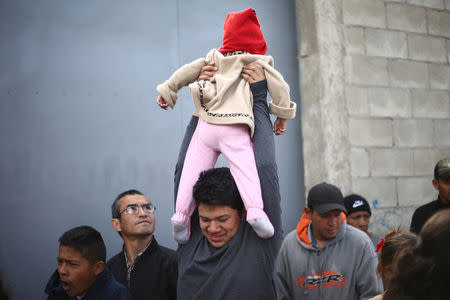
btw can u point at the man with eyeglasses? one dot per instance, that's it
(148, 270)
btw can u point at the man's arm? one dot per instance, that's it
(264, 149)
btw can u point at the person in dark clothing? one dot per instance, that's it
(81, 272)
(148, 270)
(441, 182)
(359, 214)
(228, 260)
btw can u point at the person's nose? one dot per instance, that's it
(333, 221)
(214, 227)
(141, 212)
(62, 269)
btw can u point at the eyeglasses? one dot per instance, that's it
(133, 209)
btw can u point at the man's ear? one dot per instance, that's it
(98, 267)
(308, 212)
(436, 184)
(115, 223)
(243, 213)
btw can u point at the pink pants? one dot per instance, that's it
(208, 141)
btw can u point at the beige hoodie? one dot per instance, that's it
(226, 98)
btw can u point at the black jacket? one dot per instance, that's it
(424, 212)
(104, 288)
(154, 275)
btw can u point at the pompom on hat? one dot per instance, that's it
(241, 31)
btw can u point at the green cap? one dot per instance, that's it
(442, 169)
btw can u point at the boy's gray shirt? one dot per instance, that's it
(242, 269)
(344, 268)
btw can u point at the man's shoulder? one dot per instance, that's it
(167, 252)
(427, 206)
(116, 289)
(115, 260)
(107, 287)
(353, 232)
(163, 254)
(290, 240)
(355, 236)
(291, 235)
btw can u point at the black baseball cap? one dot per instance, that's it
(442, 169)
(324, 197)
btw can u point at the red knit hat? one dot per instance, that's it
(241, 31)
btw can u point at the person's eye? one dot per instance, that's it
(147, 207)
(132, 209)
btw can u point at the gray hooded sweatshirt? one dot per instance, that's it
(344, 268)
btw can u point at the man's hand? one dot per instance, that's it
(279, 126)
(162, 103)
(207, 72)
(253, 72)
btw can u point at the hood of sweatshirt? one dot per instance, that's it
(302, 229)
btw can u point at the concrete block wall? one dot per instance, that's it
(375, 111)
(397, 89)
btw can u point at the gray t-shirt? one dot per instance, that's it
(242, 269)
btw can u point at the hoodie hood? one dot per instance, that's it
(241, 31)
(302, 228)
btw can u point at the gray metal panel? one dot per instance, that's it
(79, 123)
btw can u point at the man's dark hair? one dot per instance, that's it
(115, 207)
(217, 187)
(87, 241)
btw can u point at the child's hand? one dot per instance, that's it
(279, 126)
(162, 103)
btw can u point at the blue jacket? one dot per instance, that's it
(105, 287)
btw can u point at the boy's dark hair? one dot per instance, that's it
(87, 241)
(217, 187)
(115, 207)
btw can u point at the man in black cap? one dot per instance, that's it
(324, 257)
(358, 215)
(441, 182)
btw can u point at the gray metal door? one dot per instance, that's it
(79, 123)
